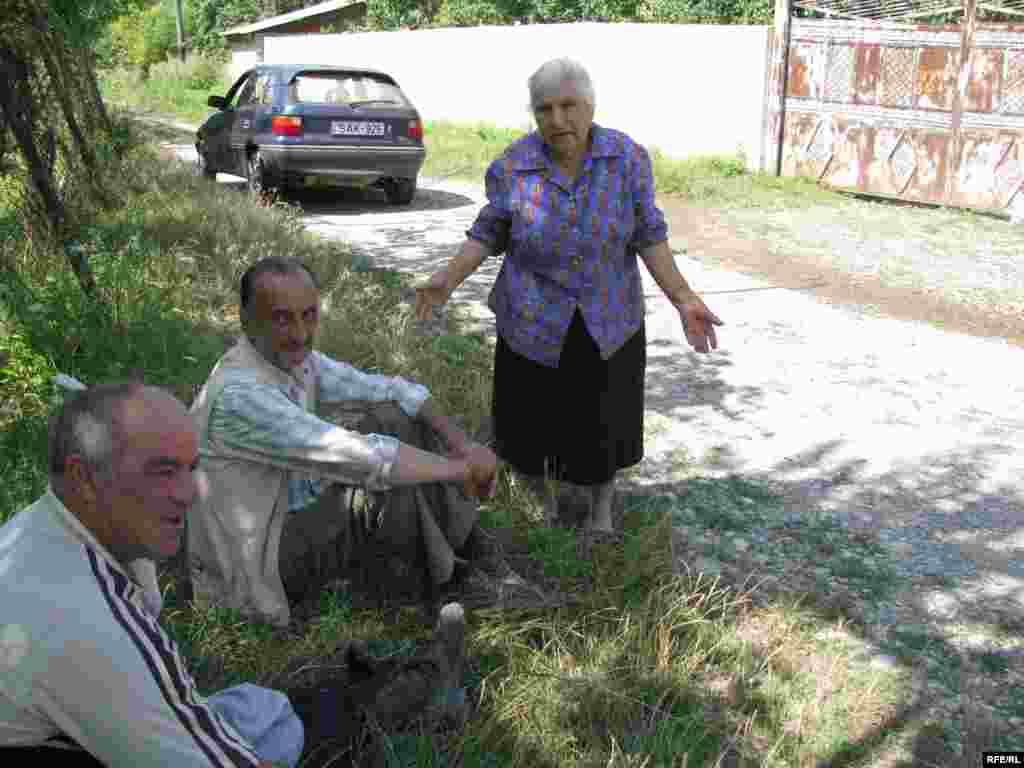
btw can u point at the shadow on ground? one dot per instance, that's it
(937, 591)
(318, 202)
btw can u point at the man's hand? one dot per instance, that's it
(698, 323)
(433, 293)
(473, 451)
(481, 480)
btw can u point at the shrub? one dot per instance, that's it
(391, 14)
(139, 39)
(199, 72)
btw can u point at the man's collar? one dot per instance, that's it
(77, 529)
(286, 378)
(140, 572)
(532, 154)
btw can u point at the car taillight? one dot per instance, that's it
(286, 125)
(415, 130)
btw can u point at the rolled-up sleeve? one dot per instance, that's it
(259, 423)
(340, 381)
(650, 223)
(494, 222)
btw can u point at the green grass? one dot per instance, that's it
(465, 150)
(462, 150)
(718, 181)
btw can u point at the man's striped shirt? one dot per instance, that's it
(83, 657)
(274, 424)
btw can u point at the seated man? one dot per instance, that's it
(274, 520)
(87, 675)
(89, 678)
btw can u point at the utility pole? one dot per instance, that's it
(181, 29)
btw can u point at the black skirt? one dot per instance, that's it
(580, 422)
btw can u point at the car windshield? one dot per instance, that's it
(354, 89)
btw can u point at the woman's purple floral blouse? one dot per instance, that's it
(569, 244)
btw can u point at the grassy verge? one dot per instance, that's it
(166, 91)
(456, 150)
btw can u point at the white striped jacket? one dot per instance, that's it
(83, 657)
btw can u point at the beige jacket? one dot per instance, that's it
(235, 530)
(235, 527)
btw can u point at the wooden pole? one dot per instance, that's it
(775, 95)
(181, 29)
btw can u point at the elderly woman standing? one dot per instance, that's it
(571, 206)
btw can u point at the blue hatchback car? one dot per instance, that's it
(293, 126)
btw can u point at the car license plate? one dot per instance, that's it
(356, 128)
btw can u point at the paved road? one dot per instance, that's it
(900, 427)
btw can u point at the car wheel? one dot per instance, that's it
(255, 174)
(401, 191)
(203, 164)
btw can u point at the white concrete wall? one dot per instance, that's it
(244, 56)
(685, 89)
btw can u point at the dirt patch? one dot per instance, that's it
(955, 270)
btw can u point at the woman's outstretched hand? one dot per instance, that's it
(431, 294)
(699, 324)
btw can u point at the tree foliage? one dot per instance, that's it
(393, 14)
(145, 32)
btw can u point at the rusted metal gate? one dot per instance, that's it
(884, 107)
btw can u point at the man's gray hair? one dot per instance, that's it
(550, 76)
(85, 426)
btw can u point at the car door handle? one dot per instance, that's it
(245, 123)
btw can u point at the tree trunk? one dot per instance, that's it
(88, 75)
(16, 105)
(52, 61)
(16, 110)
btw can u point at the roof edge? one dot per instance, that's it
(288, 18)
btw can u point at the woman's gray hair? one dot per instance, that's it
(550, 76)
(85, 426)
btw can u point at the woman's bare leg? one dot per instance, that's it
(600, 518)
(550, 493)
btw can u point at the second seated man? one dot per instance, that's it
(272, 525)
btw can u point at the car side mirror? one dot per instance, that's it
(216, 102)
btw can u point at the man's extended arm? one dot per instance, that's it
(341, 381)
(431, 414)
(482, 464)
(259, 423)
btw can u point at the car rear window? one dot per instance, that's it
(345, 88)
